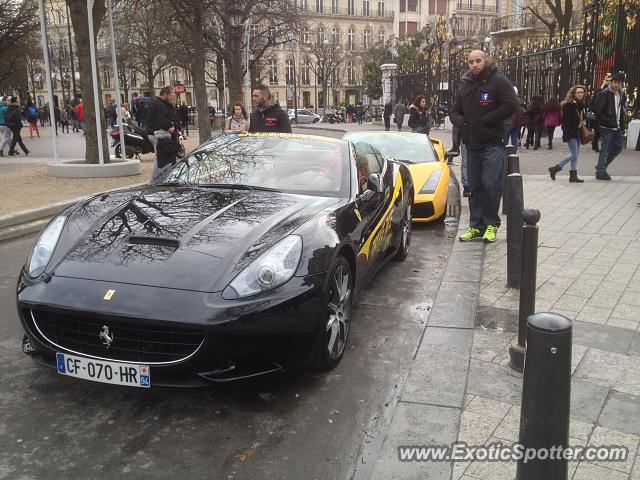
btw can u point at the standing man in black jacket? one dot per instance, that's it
(159, 109)
(485, 100)
(610, 108)
(268, 117)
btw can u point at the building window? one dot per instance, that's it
(289, 76)
(106, 76)
(365, 8)
(173, 75)
(187, 77)
(273, 72)
(319, 6)
(303, 4)
(381, 35)
(412, 5)
(381, 8)
(351, 72)
(351, 9)
(367, 38)
(351, 39)
(305, 35)
(306, 73)
(271, 35)
(320, 35)
(483, 26)
(336, 35)
(61, 17)
(403, 6)
(334, 6)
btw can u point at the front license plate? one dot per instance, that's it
(117, 373)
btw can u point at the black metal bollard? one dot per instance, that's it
(514, 229)
(546, 397)
(528, 269)
(508, 150)
(513, 164)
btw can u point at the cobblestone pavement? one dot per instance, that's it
(588, 270)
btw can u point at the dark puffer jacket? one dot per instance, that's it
(270, 119)
(484, 102)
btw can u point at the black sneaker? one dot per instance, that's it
(466, 192)
(603, 176)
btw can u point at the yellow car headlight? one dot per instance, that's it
(431, 184)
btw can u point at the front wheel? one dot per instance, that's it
(332, 120)
(405, 235)
(331, 339)
(130, 151)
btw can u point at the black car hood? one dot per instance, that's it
(193, 239)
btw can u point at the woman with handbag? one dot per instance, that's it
(572, 126)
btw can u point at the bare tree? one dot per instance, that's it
(560, 18)
(325, 60)
(18, 23)
(270, 21)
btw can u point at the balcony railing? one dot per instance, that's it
(475, 7)
(373, 12)
(512, 22)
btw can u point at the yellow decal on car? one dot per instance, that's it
(108, 295)
(380, 237)
(357, 212)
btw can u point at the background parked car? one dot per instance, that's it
(304, 116)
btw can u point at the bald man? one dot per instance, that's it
(485, 100)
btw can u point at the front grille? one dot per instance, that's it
(422, 210)
(133, 341)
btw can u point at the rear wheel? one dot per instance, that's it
(331, 340)
(332, 120)
(130, 151)
(405, 235)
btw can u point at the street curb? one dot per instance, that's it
(424, 396)
(13, 225)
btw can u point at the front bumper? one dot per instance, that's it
(240, 338)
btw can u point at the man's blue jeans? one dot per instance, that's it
(511, 135)
(612, 145)
(484, 168)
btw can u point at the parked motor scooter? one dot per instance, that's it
(137, 141)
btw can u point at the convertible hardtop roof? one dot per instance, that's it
(294, 135)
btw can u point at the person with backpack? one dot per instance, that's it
(32, 118)
(14, 122)
(5, 133)
(551, 118)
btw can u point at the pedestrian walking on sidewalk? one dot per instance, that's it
(552, 118)
(166, 145)
(572, 120)
(5, 133)
(534, 122)
(388, 109)
(485, 100)
(183, 116)
(238, 121)
(14, 122)
(399, 111)
(32, 118)
(610, 108)
(419, 119)
(80, 115)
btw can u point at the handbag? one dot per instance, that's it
(586, 134)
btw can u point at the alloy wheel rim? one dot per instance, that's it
(339, 307)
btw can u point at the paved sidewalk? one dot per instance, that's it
(588, 270)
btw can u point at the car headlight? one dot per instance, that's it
(271, 269)
(432, 182)
(44, 247)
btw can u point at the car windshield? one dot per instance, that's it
(289, 163)
(405, 147)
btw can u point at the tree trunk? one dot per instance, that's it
(235, 69)
(150, 81)
(78, 11)
(198, 73)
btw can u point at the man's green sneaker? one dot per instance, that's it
(490, 233)
(470, 234)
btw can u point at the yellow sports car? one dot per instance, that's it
(425, 158)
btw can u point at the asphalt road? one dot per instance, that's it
(303, 425)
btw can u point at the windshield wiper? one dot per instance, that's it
(238, 186)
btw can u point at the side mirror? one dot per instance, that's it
(374, 183)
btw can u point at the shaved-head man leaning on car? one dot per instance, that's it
(485, 100)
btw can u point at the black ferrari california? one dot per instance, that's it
(242, 259)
